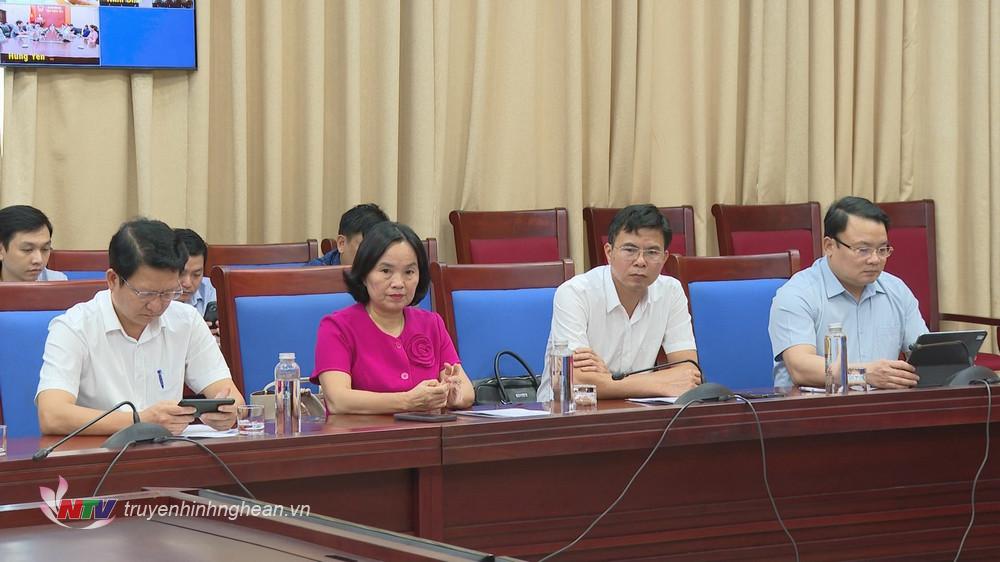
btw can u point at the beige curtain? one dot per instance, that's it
(300, 109)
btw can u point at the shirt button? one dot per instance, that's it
(398, 345)
(404, 376)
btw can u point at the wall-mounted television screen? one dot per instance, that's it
(98, 33)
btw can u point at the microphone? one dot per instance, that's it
(972, 374)
(137, 432)
(620, 376)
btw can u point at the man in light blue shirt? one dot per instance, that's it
(51, 275)
(198, 289)
(25, 245)
(203, 294)
(354, 224)
(878, 312)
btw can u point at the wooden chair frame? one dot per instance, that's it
(597, 220)
(691, 269)
(261, 254)
(764, 218)
(469, 225)
(447, 278)
(430, 246)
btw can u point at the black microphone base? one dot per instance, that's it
(705, 392)
(966, 376)
(138, 432)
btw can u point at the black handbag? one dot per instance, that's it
(507, 389)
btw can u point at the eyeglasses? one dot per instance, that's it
(864, 252)
(148, 296)
(631, 253)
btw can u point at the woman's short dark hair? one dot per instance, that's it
(632, 218)
(147, 242)
(836, 217)
(373, 246)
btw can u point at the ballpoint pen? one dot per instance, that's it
(159, 374)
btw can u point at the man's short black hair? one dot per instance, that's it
(632, 218)
(376, 242)
(194, 243)
(20, 218)
(836, 216)
(147, 242)
(360, 219)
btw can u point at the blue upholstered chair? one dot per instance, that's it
(491, 308)
(80, 265)
(730, 302)
(25, 312)
(264, 312)
(74, 275)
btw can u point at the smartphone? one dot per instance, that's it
(212, 312)
(425, 417)
(206, 405)
(757, 395)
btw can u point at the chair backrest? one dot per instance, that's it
(597, 221)
(25, 312)
(262, 255)
(430, 246)
(80, 264)
(730, 301)
(511, 236)
(763, 229)
(913, 236)
(492, 308)
(264, 312)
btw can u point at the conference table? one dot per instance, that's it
(878, 475)
(169, 524)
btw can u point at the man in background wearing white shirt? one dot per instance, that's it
(133, 342)
(617, 317)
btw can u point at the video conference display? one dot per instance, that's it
(98, 33)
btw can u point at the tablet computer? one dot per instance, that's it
(939, 355)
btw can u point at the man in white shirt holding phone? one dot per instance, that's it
(133, 342)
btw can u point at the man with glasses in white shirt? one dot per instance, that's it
(617, 317)
(133, 342)
(878, 312)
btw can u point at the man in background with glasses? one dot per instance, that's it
(617, 317)
(133, 342)
(878, 312)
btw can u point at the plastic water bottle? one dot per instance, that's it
(561, 378)
(288, 406)
(836, 359)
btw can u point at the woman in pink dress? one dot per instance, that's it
(383, 354)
